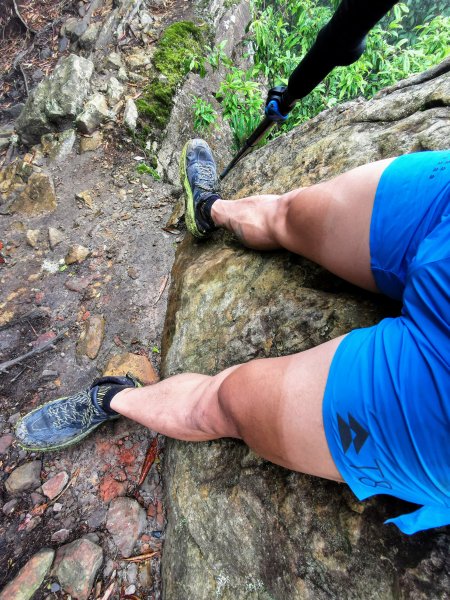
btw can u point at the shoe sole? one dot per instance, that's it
(71, 442)
(189, 213)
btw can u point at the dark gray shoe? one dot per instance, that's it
(66, 421)
(199, 178)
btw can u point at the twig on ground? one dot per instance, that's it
(161, 289)
(109, 591)
(149, 460)
(15, 361)
(142, 557)
(22, 55)
(36, 313)
(19, 374)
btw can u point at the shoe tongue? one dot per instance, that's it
(97, 394)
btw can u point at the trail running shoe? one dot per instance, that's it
(199, 178)
(65, 421)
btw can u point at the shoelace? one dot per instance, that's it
(206, 177)
(74, 409)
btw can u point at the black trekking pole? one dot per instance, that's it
(340, 43)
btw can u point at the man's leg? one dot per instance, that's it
(274, 405)
(281, 419)
(328, 223)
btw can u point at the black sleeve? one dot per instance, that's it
(340, 42)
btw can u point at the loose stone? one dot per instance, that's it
(60, 536)
(53, 486)
(76, 254)
(92, 336)
(130, 114)
(94, 114)
(126, 521)
(38, 196)
(76, 565)
(115, 91)
(5, 442)
(9, 507)
(32, 236)
(30, 577)
(25, 477)
(55, 237)
(89, 144)
(136, 364)
(86, 198)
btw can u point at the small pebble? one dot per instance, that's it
(60, 536)
(57, 507)
(14, 418)
(9, 507)
(130, 590)
(157, 534)
(55, 587)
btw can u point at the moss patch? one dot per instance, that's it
(180, 46)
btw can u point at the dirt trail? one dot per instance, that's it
(124, 280)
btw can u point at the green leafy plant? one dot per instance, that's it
(241, 100)
(204, 114)
(144, 169)
(217, 56)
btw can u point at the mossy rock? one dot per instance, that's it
(180, 44)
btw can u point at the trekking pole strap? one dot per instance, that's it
(340, 43)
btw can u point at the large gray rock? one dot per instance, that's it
(239, 527)
(229, 25)
(57, 100)
(94, 114)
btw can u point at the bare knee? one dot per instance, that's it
(211, 413)
(302, 220)
(228, 398)
(292, 221)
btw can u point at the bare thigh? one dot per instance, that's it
(276, 405)
(329, 223)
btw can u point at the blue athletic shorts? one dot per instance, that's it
(386, 406)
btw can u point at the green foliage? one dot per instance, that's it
(242, 100)
(144, 169)
(204, 115)
(284, 30)
(216, 56)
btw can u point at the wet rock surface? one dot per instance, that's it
(242, 528)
